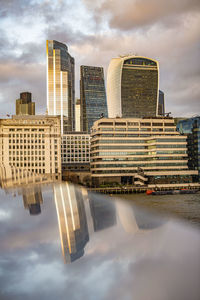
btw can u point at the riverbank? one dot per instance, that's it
(143, 189)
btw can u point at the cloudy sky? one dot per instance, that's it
(96, 31)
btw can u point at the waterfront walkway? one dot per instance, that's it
(142, 189)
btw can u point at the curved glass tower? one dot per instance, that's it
(132, 87)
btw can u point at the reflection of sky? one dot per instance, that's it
(119, 263)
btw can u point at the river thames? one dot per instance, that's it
(185, 207)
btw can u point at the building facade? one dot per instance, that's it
(132, 87)
(161, 104)
(78, 115)
(92, 96)
(191, 128)
(31, 143)
(139, 151)
(60, 84)
(24, 105)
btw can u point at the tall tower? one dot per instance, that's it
(24, 105)
(60, 84)
(132, 87)
(92, 96)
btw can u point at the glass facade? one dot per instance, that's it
(60, 84)
(139, 88)
(161, 104)
(92, 96)
(191, 128)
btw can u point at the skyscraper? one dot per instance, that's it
(92, 96)
(60, 84)
(24, 105)
(161, 104)
(132, 87)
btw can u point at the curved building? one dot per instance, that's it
(132, 87)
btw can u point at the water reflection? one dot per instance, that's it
(71, 221)
(32, 198)
(118, 250)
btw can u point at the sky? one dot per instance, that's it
(95, 31)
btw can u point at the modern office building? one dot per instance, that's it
(132, 87)
(139, 151)
(60, 84)
(191, 128)
(72, 221)
(75, 152)
(31, 143)
(78, 115)
(24, 105)
(161, 104)
(92, 96)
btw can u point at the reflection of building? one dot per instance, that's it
(32, 198)
(60, 84)
(92, 96)
(78, 116)
(132, 87)
(24, 105)
(71, 220)
(31, 143)
(161, 104)
(136, 150)
(103, 212)
(191, 128)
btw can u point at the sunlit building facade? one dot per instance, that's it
(92, 96)
(24, 105)
(60, 84)
(31, 143)
(78, 115)
(139, 151)
(132, 87)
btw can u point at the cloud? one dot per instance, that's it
(95, 32)
(131, 14)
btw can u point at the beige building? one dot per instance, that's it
(24, 105)
(31, 143)
(139, 151)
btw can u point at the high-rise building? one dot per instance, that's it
(60, 84)
(92, 96)
(161, 104)
(132, 87)
(139, 151)
(78, 115)
(24, 105)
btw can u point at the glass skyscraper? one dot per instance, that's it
(92, 96)
(132, 87)
(60, 84)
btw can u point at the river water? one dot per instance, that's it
(185, 206)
